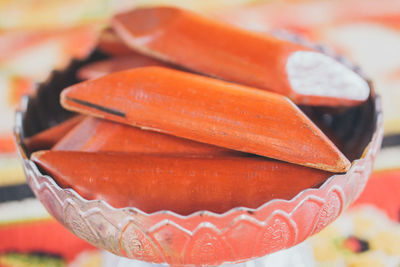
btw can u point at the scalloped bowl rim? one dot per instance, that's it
(378, 133)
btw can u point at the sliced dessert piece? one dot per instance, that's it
(103, 67)
(112, 45)
(93, 134)
(47, 138)
(180, 184)
(221, 50)
(209, 111)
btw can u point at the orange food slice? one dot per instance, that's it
(180, 184)
(47, 138)
(93, 134)
(208, 111)
(221, 50)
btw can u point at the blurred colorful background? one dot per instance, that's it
(39, 36)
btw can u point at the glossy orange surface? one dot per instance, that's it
(181, 184)
(209, 111)
(47, 138)
(111, 44)
(207, 46)
(95, 135)
(101, 68)
(221, 50)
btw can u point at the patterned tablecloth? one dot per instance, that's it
(39, 36)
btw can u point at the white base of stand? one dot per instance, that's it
(299, 256)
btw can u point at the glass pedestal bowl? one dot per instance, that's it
(202, 238)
